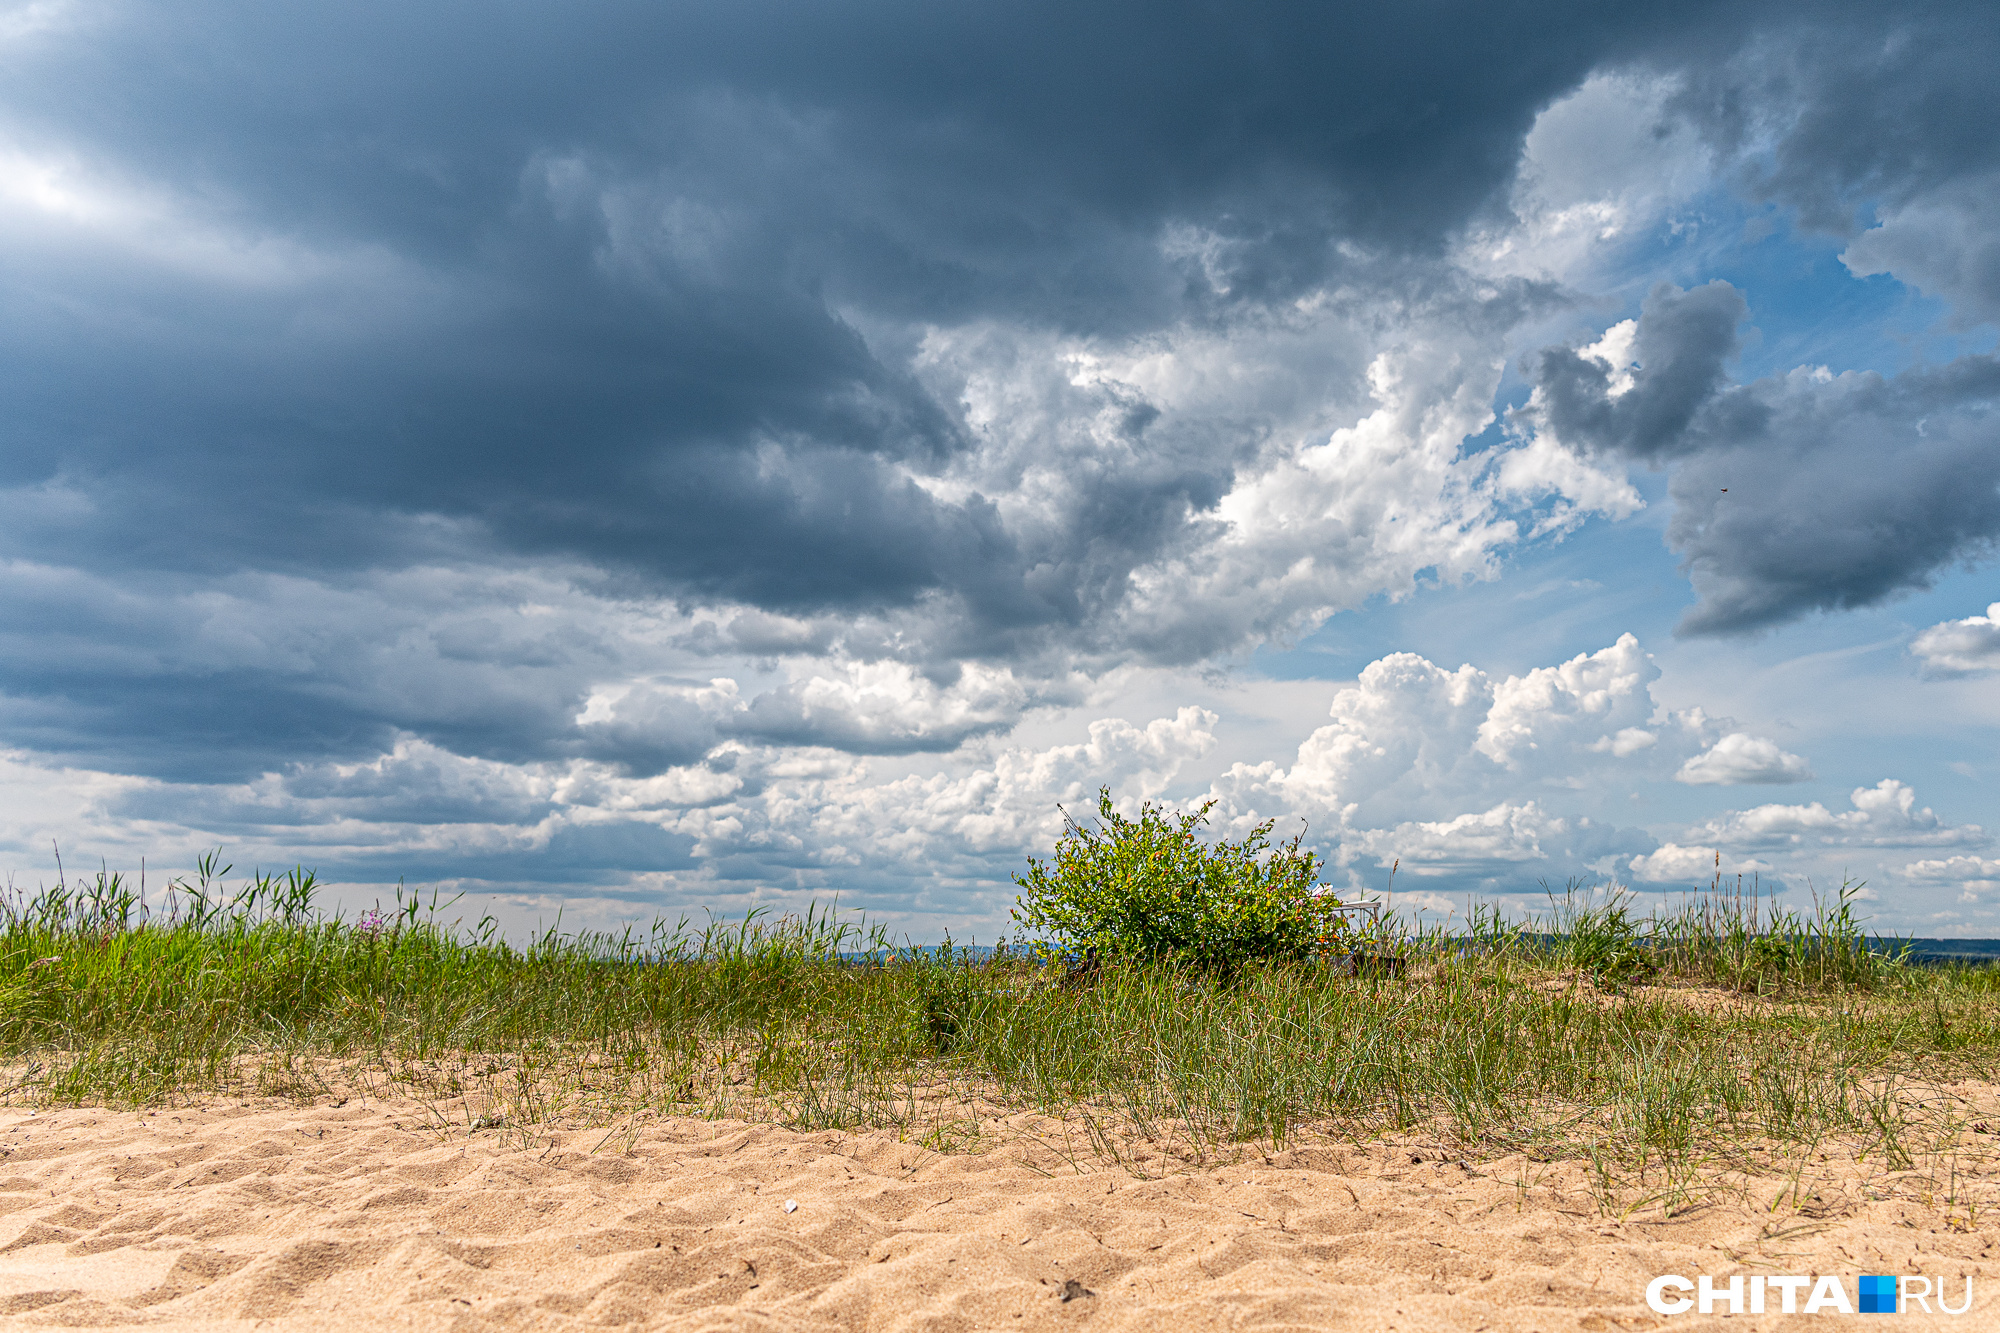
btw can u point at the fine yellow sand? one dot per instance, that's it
(273, 1216)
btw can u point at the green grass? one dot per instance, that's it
(1657, 1049)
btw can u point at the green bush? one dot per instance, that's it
(1147, 888)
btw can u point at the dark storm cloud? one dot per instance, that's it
(594, 257)
(1797, 493)
(464, 284)
(1837, 113)
(1002, 131)
(193, 679)
(1684, 342)
(606, 853)
(1850, 491)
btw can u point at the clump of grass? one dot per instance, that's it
(1734, 936)
(1509, 1038)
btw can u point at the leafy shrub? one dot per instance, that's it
(1147, 888)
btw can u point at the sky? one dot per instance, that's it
(632, 459)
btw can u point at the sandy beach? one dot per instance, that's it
(361, 1215)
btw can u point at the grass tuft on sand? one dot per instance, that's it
(1726, 1038)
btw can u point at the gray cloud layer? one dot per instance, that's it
(387, 369)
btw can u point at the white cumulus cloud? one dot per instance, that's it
(1483, 842)
(1434, 766)
(1673, 863)
(1409, 735)
(1961, 647)
(1971, 875)
(1740, 759)
(1884, 815)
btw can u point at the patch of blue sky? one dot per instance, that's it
(1553, 600)
(1807, 308)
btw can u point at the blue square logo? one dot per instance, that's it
(1878, 1295)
